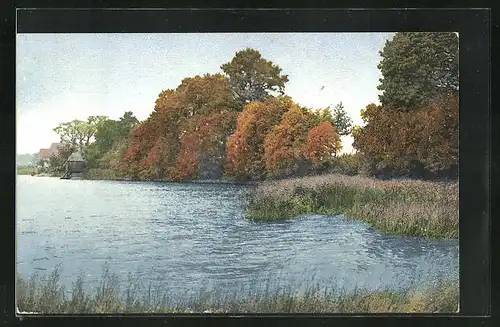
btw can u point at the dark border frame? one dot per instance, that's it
(474, 28)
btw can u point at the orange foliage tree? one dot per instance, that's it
(439, 128)
(245, 151)
(283, 145)
(202, 148)
(422, 142)
(167, 144)
(323, 143)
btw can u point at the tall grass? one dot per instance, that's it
(405, 207)
(47, 295)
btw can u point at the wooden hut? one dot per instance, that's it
(75, 164)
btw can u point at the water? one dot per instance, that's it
(190, 237)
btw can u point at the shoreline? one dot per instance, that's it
(398, 207)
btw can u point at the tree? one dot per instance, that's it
(252, 78)
(57, 162)
(421, 143)
(185, 135)
(439, 128)
(337, 117)
(283, 146)
(107, 134)
(78, 133)
(341, 120)
(418, 67)
(323, 143)
(109, 131)
(245, 148)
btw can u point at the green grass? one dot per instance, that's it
(47, 295)
(25, 170)
(403, 207)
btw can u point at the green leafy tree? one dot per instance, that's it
(78, 133)
(337, 117)
(107, 134)
(109, 131)
(418, 67)
(252, 78)
(341, 120)
(57, 162)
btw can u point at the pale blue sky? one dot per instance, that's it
(61, 77)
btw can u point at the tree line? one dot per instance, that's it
(240, 124)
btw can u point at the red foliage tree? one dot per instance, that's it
(283, 145)
(323, 143)
(419, 142)
(245, 151)
(163, 146)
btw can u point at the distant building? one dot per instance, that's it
(46, 153)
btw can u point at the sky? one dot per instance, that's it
(61, 77)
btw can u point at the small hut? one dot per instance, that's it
(75, 164)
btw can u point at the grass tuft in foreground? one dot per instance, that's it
(405, 207)
(47, 295)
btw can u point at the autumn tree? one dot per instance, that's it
(141, 140)
(245, 148)
(378, 140)
(186, 133)
(420, 143)
(418, 67)
(213, 132)
(337, 117)
(283, 145)
(439, 130)
(209, 120)
(322, 145)
(253, 78)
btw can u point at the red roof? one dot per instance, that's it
(54, 147)
(45, 153)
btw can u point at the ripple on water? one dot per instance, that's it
(189, 235)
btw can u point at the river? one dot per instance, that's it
(189, 237)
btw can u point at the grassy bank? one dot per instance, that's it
(25, 170)
(100, 174)
(47, 295)
(405, 207)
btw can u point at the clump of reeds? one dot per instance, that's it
(47, 295)
(406, 207)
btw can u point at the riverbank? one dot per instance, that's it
(404, 207)
(47, 295)
(110, 175)
(25, 170)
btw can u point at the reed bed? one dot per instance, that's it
(404, 207)
(47, 295)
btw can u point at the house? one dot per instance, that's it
(44, 154)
